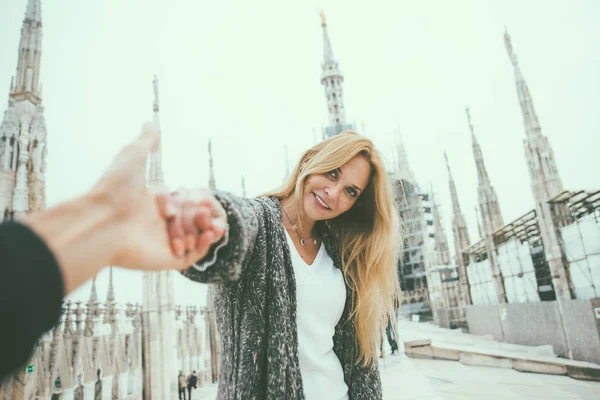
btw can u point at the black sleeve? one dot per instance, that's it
(31, 293)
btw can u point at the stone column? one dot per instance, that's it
(553, 252)
(160, 346)
(123, 380)
(6, 157)
(107, 383)
(465, 293)
(68, 394)
(89, 391)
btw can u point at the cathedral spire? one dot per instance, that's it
(23, 127)
(479, 230)
(211, 177)
(461, 238)
(403, 170)
(243, 186)
(530, 119)
(543, 171)
(93, 293)
(327, 50)
(453, 193)
(110, 296)
(477, 153)
(488, 201)
(544, 177)
(332, 80)
(27, 82)
(155, 174)
(34, 11)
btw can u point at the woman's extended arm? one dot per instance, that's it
(225, 259)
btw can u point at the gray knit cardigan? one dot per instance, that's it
(255, 304)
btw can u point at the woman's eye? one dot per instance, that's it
(352, 192)
(333, 173)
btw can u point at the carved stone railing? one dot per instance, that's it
(420, 295)
(95, 352)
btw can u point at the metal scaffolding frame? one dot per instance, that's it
(568, 208)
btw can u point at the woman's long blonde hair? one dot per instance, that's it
(369, 235)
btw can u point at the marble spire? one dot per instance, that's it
(332, 81)
(486, 194)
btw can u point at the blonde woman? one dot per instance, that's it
(306, 276)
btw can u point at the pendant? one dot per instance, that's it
(302, 242)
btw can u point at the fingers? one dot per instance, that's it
(195, 220)
(166, 206)
(176, 235)
(204, 241)
(219, 226)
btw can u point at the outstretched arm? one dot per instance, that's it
(225, 259)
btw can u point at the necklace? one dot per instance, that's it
(295, 228)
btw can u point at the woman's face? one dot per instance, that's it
(330, 194)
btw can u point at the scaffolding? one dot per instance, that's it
(412, 208)
(479, 273)
(519, 253)
(576, 218)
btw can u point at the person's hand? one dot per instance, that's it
(142, 215)
(195, 219)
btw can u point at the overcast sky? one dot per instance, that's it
(247, 74)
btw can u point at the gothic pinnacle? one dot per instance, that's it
(110, 296)
(155, 84)
(34, 11)
(469, 120)
(211, 177)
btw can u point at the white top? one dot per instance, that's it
(321, 296)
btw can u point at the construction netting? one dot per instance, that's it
(481, 282)
(516, 265)
(581, 245)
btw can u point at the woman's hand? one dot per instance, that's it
(195, 221)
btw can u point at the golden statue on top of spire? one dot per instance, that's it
(322, 14)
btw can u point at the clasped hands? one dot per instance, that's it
(156, 229)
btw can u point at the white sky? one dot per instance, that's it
(248, 75)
